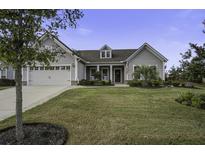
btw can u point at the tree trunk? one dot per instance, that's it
(19, 121)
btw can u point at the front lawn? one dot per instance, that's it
(110, 115)
(3, 87)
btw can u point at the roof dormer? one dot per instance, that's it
(105, 52)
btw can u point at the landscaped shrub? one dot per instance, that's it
(107, 83)
(98, 83)
(135, 83)
(196, 101)
(167, 83)
(7, 82)
(185, 98)
(183, 84)
(94, 83)
(176, 83)
(156, 83)
(143, 83)
(85, 82)
(191, 99)
(202, 103)
(148, 83)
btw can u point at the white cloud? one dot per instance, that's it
(84, 31)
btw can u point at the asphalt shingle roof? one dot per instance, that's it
(94, 55)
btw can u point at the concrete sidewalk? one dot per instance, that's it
(32, 96)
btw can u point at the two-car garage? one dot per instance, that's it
(50, 75)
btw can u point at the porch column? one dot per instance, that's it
(22, 73)
(27, 75)
(85, 73)
(126, 72)
(6, 72)
(98, 68)
(111, 73)
(76, 69)
(163, 71)
(0, 73)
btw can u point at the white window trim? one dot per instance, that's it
(102, 73)
(105, 54)
(91, 74)
(4, 72)
(133, 67)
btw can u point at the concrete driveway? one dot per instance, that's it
(32, 96)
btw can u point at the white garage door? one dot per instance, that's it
(53, 75)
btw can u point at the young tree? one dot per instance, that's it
(193, 63)
(20, 31)
(175, 73)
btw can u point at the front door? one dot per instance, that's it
(117, 75)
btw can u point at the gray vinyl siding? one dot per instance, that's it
(81, 71)
(10, 73)
(145, 58)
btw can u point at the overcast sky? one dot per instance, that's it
(168, 31)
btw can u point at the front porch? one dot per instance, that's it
(113, 73)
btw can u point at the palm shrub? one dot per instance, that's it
(97, 75)
(147, 75)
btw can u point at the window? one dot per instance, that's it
(41, 68)
(3, 73)
(57, 67)
(105, 74)
(51, 67)
(36, 68)
(92, 73)
(153, 67)
(103, 54)
(67, 67)
(46, 68)
(106, 54)
(136, 68)
(62, 67)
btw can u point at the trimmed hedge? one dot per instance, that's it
(143, 83)
(95, 83)
(7, 82)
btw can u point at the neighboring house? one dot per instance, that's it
(116, 65)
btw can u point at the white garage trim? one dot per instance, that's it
(49, 77)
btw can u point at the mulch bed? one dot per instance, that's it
(35, 134)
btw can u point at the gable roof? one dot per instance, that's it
(118, 55)
(105, 47)
(150, 49)
(61, 44)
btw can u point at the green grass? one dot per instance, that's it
(4, 87)
(109, 115)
